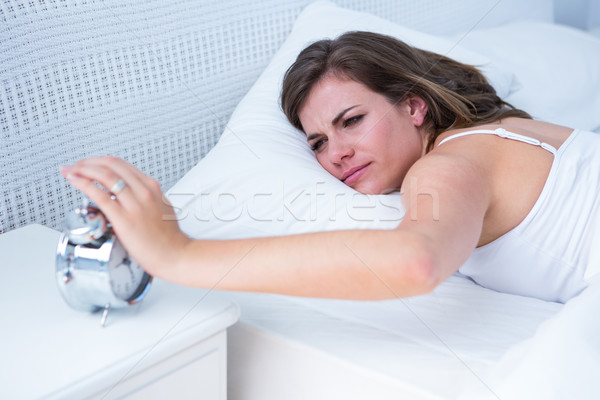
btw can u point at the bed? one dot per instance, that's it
(187, 91)
(461, 341)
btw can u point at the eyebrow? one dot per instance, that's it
(341, 114)
(334, 121)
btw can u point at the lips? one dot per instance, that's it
(354, 173)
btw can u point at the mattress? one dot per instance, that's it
(437, 346)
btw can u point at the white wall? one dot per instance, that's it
(583, 14)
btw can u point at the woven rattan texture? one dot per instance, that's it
(151, 81)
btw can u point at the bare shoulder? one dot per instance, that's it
(488, 169)
(446, 185)
(460, 168)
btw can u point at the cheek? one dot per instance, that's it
(383, 139)
(323, 160)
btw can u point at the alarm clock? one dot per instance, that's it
(93, 269)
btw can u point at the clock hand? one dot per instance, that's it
(127, 262)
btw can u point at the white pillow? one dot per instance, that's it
(557, 66)
(262, 179)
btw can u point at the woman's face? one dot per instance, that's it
(359, 137)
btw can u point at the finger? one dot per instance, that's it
(102, 199)
(109, 171)
(106, 178)
(144, 187)
(117, 169)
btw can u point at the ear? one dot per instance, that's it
(417, 109)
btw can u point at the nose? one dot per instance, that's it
(340, 149)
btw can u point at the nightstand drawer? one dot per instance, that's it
(198, 372)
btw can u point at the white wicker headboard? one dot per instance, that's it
(151, 81)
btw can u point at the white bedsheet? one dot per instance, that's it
(432, 346)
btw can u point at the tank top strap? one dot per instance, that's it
(503, 133)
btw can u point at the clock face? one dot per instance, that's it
(126, 275)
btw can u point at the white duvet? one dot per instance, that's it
(560, 361)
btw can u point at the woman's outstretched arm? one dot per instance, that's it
(356, 264)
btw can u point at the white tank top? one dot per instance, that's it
(550, 255)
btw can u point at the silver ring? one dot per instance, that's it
(117, 187)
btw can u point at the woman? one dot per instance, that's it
(382, 116)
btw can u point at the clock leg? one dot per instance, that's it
(104, 315)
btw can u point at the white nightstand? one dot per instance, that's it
(172, 345)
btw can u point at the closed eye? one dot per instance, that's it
(351, 121)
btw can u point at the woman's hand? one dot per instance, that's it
(141, 216)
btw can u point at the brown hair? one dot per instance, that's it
(457, 94)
